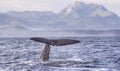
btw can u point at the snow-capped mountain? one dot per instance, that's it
(76, 16)
(85, 10)
(90, 16)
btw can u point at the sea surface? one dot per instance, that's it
(92, 54)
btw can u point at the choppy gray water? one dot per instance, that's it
(92, 54)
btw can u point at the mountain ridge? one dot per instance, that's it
(76, 16)
(90, 16)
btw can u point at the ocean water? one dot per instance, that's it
(92, 54)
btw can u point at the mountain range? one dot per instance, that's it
(76, 16)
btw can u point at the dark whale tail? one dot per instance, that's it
(58, 42)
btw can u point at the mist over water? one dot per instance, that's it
(92, 54)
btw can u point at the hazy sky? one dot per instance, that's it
(52, 5)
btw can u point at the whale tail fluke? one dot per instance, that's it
(42, 40)
(63, 42)
(57, 42)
